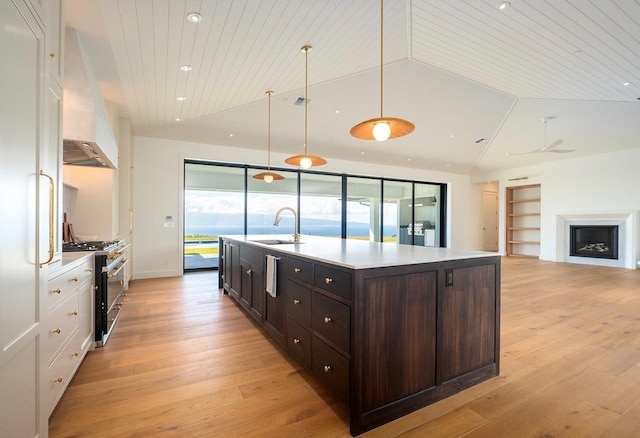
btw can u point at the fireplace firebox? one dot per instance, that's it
(594, 241)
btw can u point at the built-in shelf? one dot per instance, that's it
(523, 221)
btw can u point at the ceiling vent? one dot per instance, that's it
(480, 140)
(300, 101)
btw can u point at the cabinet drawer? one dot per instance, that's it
(61, 323)
(85, 271)
(61, 371)
(331, 368)
(300, 270)
(333, 280)
(299, 342)
(299, 303)
(61, 287)
(332, 320)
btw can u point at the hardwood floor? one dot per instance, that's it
(185, 361)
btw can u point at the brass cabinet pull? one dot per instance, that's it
(89, 269)
(58, 380)
(74, 279)
(248, 271)
(327, 368)
(56, 291)
(51, 214)
(296, 301)
(328, 280)
(56, 331)
(52, 55)
(327, 319)
(76, 354)
(297, 269)
(111, 319)
(296, 340)
(96, 287)
(74, 313)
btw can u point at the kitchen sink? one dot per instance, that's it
(275, 242)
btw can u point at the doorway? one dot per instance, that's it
(490, 217)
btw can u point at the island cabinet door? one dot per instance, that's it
(394, 343)
(467, 321)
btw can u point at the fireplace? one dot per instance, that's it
(594, 241)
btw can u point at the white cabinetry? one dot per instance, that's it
(28, 232)
(24, 231)
(69, 324)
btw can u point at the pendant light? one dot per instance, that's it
(268, 176)
(382, 128)
(305, 161)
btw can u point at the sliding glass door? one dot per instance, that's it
(223, 198)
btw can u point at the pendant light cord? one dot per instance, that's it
(381, 52)
(269, 135)
(306, 101)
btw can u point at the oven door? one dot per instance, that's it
(115, 286)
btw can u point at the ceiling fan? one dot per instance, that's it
(551, 147)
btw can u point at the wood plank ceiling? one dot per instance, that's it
(461, 70)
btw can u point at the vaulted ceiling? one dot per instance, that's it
(475, 80)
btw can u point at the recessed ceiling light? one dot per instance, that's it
(448, 165)
(230, 135)
(626, 84)
(361, 153)
(185, 67)
(178, 119)
(337, 111)
(194, 17)
(453, 135)
(503, 5)
(181, 98)
(408, 159)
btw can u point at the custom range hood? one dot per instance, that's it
(88, 139)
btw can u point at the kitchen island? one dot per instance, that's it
(388, 328)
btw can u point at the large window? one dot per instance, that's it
(225, 199)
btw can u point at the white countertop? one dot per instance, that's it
(359, 254)
(68, 260)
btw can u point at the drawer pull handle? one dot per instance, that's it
(52, 55)
(327, 319)
(56, 331)
(76, 354)
(248, 271)
(74, 279)
(58, 380)
(328, 280)
(328, 368)
(56, 291)
(111, 319)
(296, 301)
(96, 287)
(74, 313)
(89, 269)
(297, 270)
(296, 340)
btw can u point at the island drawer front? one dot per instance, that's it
(332, 320)
(334, 281)
(299, 342)
(300, 270)
(331, 368)
(299, 303)
(85, 271)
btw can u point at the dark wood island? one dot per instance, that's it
(388, 328)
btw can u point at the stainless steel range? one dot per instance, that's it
(110, 260)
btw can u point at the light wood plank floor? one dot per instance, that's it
(185, 361)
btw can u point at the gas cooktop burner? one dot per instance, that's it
(88, 246)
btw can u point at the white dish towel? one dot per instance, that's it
(271, 275)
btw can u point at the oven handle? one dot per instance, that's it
(122, 265)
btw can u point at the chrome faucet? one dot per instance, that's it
(296, 232)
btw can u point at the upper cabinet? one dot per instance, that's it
(55, 39)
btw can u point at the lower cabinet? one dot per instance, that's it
(69, 325)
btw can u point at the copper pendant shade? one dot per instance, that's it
(305, 161)
(268, 176)
(382, 128)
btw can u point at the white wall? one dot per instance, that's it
(158, 191)
(604, 183)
